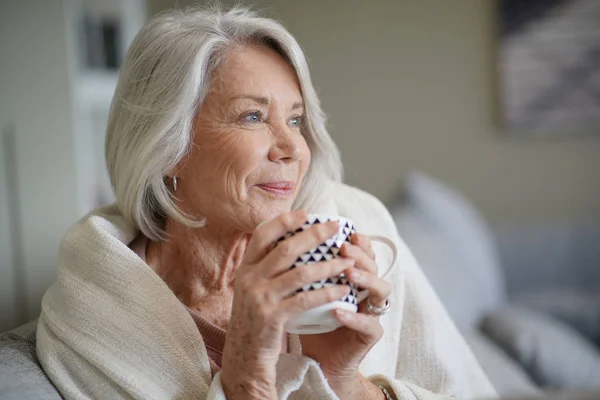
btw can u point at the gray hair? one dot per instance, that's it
(163, 81)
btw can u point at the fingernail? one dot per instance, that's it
(356, 276)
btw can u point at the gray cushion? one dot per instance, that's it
(507, 376)
(21, 376)
(578, 307)
(554, 355)
(544, 254)
(453, 246)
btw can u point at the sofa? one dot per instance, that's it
(21, 376)
(526, 297)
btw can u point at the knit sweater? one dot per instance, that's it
(111, 328)
(214, 340)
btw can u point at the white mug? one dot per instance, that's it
(321, 319)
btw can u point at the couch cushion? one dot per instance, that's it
(453, 246)
(21, 376)
(555, 355)
(507, 376)
(577, 307)
(546, 253)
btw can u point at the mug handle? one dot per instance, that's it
(390, 243)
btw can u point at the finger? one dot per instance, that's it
(379, 289)
(266, 234)
(306, 300)
(364, 243)
(290, 281)
(363, 260)
(285, 254)
(361, 323)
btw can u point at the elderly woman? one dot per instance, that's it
(216, 147)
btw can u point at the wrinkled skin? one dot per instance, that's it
(248, 134)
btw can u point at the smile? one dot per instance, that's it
(280, 188)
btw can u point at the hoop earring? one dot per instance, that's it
(174, 183)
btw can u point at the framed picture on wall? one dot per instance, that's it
(549, 64)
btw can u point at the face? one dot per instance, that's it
(248, 157)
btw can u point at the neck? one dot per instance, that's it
(199, 266)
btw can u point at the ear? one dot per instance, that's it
(171, 182)
(175, 171)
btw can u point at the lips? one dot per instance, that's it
(282, 188)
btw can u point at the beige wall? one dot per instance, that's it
(411, 84)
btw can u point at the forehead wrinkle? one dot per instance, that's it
(262, 100)
(227, 84)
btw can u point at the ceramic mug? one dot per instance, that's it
(322, 319)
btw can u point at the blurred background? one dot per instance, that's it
(440, 108)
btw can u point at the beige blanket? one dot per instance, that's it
(111, 328)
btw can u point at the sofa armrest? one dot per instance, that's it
(507, 376)
(554, 355)
(21, 376)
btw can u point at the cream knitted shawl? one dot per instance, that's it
(111, 328)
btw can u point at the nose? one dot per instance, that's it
(285, 147)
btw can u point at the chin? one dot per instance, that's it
(265, 214)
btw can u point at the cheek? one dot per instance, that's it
(233, 163)
(305, 156)
(250, 151)
(236, 154)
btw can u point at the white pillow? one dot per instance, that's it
(454, 247)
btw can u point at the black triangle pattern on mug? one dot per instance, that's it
(351, 298)
(324, 252)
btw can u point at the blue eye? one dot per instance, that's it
(253, 117)
(295, 122)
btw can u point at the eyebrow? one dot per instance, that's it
(265, 101)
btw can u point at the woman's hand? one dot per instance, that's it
(262, 302)
(340, 352)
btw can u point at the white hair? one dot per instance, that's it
(162, 83)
